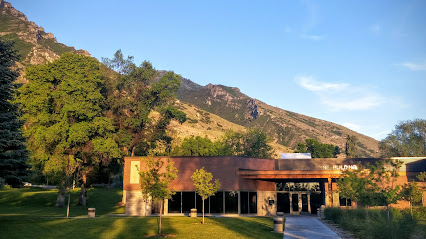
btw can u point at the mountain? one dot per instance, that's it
(285, 127)
(34, 44)
(211, 109)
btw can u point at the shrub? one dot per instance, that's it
(333, 214)
(419, 213)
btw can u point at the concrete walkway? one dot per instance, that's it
(300, 227)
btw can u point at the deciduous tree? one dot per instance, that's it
(253, 143)
(155, 180)
(63, 110)
(204, 185)
(408, 139)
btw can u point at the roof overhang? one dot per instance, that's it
(288, 174)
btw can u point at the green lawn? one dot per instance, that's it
(30, 213)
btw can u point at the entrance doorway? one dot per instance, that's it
(295, 202)
(283, 202)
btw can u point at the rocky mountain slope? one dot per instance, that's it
(226, 107)
(34, 44)
(285, 127)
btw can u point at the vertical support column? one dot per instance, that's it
(239, 203)
(166, 207)
(329, 193)
(223, 202)
(291, 202)
(309, 203)
(299, 202)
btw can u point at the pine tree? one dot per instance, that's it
(13, 153)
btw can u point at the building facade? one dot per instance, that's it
(253, 186)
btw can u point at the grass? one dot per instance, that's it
(30, 213)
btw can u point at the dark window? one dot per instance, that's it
(200, 205)
(252, 202)
(188, 201)
(231, 202)
(175, 203)
(216, 203)
(244, 202)
(344, 202)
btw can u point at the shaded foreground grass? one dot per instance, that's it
(30, 213)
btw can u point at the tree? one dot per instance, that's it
(133, 93)
(372, 185)
(13, 152)
(155, 181)
(63, 109)
(408, 139)
(318, 149)
(198, 146)
(412, 192)
(204, 185)
(253, 143)
(351, 146)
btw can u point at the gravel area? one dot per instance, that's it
(339, 231)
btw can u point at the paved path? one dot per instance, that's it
(301, 227)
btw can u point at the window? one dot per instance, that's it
(345, 202)
(175, 203)
(231, 202)
(216, 203)
(188, 201)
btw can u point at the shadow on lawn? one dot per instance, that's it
(243, 226)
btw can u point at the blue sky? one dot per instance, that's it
(361, 64)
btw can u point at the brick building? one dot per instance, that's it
(253, 186)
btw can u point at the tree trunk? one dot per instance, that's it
(203, 210)
(68, 207)
(60, 200)
(82, 199)
(411, 208)
(161, 212)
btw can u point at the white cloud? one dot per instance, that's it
(313, 37)
(342, 96)
(352, 126)
(415, 66)
(310, 84)
(363, 103)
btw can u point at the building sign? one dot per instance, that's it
(345, 167)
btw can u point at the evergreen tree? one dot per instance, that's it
(351, 146)
(13, 153)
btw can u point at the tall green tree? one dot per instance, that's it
(155, 179)
(198, 146)
(63, 110)
(318, 149)
(253, 143)
(351, 146)
(408, 139)
(204, 185)
(13, 152)
(133, 93)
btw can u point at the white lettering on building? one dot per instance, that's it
(344, 167)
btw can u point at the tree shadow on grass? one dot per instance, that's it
(250, 227)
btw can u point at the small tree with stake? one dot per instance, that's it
(155, 181)
(204, 185)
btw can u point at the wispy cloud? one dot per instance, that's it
(342, 96)
(313, 37)
(352, 126)
(363, 103)
(415, 66)
(309, 83)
